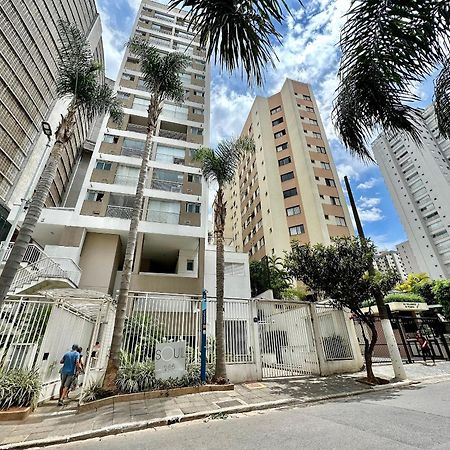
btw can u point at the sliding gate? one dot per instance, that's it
(286, 339)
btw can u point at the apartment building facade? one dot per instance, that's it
(288, 189)
(390, 260)
(418, 178)
(407, 257)
(29, 41)
(171, 241)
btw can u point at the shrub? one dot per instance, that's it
(93, 392)
(441, 291)
(400, 297)
(19, 388)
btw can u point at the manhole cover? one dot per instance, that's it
(228, 403)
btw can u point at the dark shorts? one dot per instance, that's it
(67, 379)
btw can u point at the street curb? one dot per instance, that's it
(170, 420)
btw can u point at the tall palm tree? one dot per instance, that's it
(237, 33)
(161, 76)
(388, 47)
(219, 166)
(78, 77)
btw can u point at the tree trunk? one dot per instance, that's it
(36, 205)
(369, 346)
(220, 375)
(112, 368)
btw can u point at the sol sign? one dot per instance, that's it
(170, 360)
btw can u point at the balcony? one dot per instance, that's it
(160, 42)
(126, 180)
(164, 185)
(119, 212)
(135, 128)
(163, 217)
(133, 152)
(176, 135)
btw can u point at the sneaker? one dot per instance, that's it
(60, 403)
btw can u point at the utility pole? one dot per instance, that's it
(394, 353)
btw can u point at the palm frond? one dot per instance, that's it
(442, 99)
(161, 72)
(102, 100)
(221, 164)
(237, 33)
(387, 47)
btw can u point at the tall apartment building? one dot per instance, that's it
(28, 57)
(390, 261)
(171, 242)
(288, 189)
(407, 257)
(418, 178)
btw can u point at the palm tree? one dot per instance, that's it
(161, 76)
(237, 33)
(388, 47)
(78, 77)
(219, 166)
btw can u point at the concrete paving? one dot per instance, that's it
(412, 418)
(51, 423)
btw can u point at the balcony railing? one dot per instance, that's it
(173, 135)
(169, 32)
(119, 212)
(163, 217)
(137, 128)
(161, 42)
(126, 180)
(165, 19)
(164, 185)
(134, 152)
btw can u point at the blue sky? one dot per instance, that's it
(308, 53)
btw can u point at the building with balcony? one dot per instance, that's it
(390, 261)
(92, 230)
(28, 69)
(418, 178)
(288, 189)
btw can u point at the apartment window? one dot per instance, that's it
(325, 165)
(123, 95)
(306, 97)
(258, 207)
(194, 178)
(321, 149)
(277, 121)
(281, 147)
(275, 110)
(310, 109)
(103, 165)
(297, 229)
(340, 221)
(293, 210)
(193, 208)
(330, 182)
(197, 131)
(198, 111)
(94, 196)
(279, 134)
(335, 201)
(284, 161)
(199, 93)
(287, 176)
(141, 104)
(199, 77)
(314, 121)
(190, 265)
(290, 192)
(110, 139)
(127, 76)
(317, 135)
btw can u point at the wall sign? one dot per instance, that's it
(170, 360)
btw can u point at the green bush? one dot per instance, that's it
(95, 391)
(441, 291)
(19, 388)
(400, 297)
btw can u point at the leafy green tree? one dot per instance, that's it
(269, 273)
(425, 290)
(388, 47)
(219, 166)
(339, 272)
(441, 291)
(161, 75)
(78, 78)
(412, 280)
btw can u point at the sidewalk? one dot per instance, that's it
(51, 424)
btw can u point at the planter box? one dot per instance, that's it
(18, 413)
(175, 392)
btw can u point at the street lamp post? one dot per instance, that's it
(47, 130)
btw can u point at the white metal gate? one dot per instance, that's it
(286, 339)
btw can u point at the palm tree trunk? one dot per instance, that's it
(112, 368)
(220, 375)
(36, 205)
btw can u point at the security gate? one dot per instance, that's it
(286, 339)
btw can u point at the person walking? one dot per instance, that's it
(71, 364)
(424, 347)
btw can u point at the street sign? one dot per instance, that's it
(170, 360)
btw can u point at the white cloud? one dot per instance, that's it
(365, 202)
(385, 241)
(368, 184)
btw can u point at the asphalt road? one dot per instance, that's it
(416, 417)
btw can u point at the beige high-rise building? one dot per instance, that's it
(289, 188)
(28, 68)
